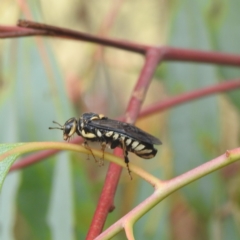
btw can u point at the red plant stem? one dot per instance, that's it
(176, 54)
(105, 203)
(76, 35)
(140, 90)
(12, 29)
(32, 159)
(172, 54)
(159, 106)
(190, 96)
(15, 32)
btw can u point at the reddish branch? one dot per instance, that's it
(28, 28)
(228, 85)
(105, 203)
(153, 55)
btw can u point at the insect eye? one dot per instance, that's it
(69, 128)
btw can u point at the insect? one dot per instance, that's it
(112, 133)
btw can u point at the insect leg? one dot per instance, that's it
(103, 144)
(126, 160)
(85, 144)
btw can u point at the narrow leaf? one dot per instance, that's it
(6, 160)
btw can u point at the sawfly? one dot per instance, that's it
(112, 133)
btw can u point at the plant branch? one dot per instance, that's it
(168, 187)
(105, 203)
(76, 35)
(173, 101)
(176, 54)
(128, 226)
(30, 28)
(37, 157)
(152, 109)
(23, 148)
(16, 32)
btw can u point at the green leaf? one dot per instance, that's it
(223, 17)
(7, 160)
(37, 97)
(194, 127)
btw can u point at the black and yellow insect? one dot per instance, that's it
(98, 128)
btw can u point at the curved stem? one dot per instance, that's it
(170, 186)
(152, 109)
(129, 230)
(35, 146)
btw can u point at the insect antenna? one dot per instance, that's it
(60, 126)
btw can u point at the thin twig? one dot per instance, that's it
(76, 35)
(167, 188)
(173, 101)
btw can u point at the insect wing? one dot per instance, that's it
(124, 128)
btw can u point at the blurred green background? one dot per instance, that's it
(44, 79)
